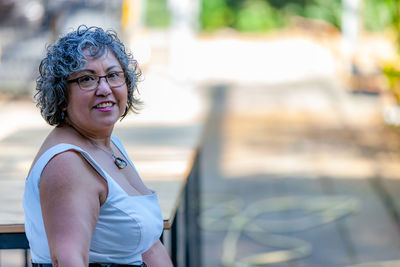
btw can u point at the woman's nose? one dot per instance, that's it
(103, 88)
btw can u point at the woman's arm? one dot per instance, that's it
(71, 193)
(157, 256)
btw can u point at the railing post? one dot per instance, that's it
(174, 240)
(26, 257)
(192, 216)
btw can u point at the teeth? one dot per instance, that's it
(104, 105)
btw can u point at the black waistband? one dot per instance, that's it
(93, 265)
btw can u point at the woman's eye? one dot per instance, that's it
(113, 75)
(86, 79)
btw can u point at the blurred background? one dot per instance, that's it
(360, 36)
(298, 101)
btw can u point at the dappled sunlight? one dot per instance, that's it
(307, 145)
(241, 164)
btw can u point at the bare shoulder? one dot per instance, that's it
(70, 172)
(65, 165)
(55, 137)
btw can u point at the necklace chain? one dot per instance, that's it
(119, 162)
(99, 147)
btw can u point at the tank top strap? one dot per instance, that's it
(60, 148)
(121, 148)
(119, 145)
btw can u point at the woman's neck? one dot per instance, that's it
(102, 139)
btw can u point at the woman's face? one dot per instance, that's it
(97, 110)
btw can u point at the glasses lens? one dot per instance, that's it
(88, 82)
(115, 79)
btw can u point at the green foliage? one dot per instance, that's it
(157, 14)
(327, 10)
(263, 15)
(216, 14)
(379, 14)
(258, 15)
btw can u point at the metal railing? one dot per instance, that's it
(184, 236)
(185, 230)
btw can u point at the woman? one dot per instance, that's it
(84, 200)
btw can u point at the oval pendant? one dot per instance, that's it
(120, 163)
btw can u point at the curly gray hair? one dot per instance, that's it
(66, 56)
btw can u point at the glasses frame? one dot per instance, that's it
(76, 80)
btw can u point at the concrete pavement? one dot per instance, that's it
(292, 176)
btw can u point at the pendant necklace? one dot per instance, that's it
(119, 162)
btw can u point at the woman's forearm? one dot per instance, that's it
(157, 256)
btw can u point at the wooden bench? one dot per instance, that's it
(165, 156)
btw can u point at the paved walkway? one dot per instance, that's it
(299, 174)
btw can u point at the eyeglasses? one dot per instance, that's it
(90, 82)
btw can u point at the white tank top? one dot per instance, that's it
(127, 225)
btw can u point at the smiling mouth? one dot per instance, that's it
(104, 105)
